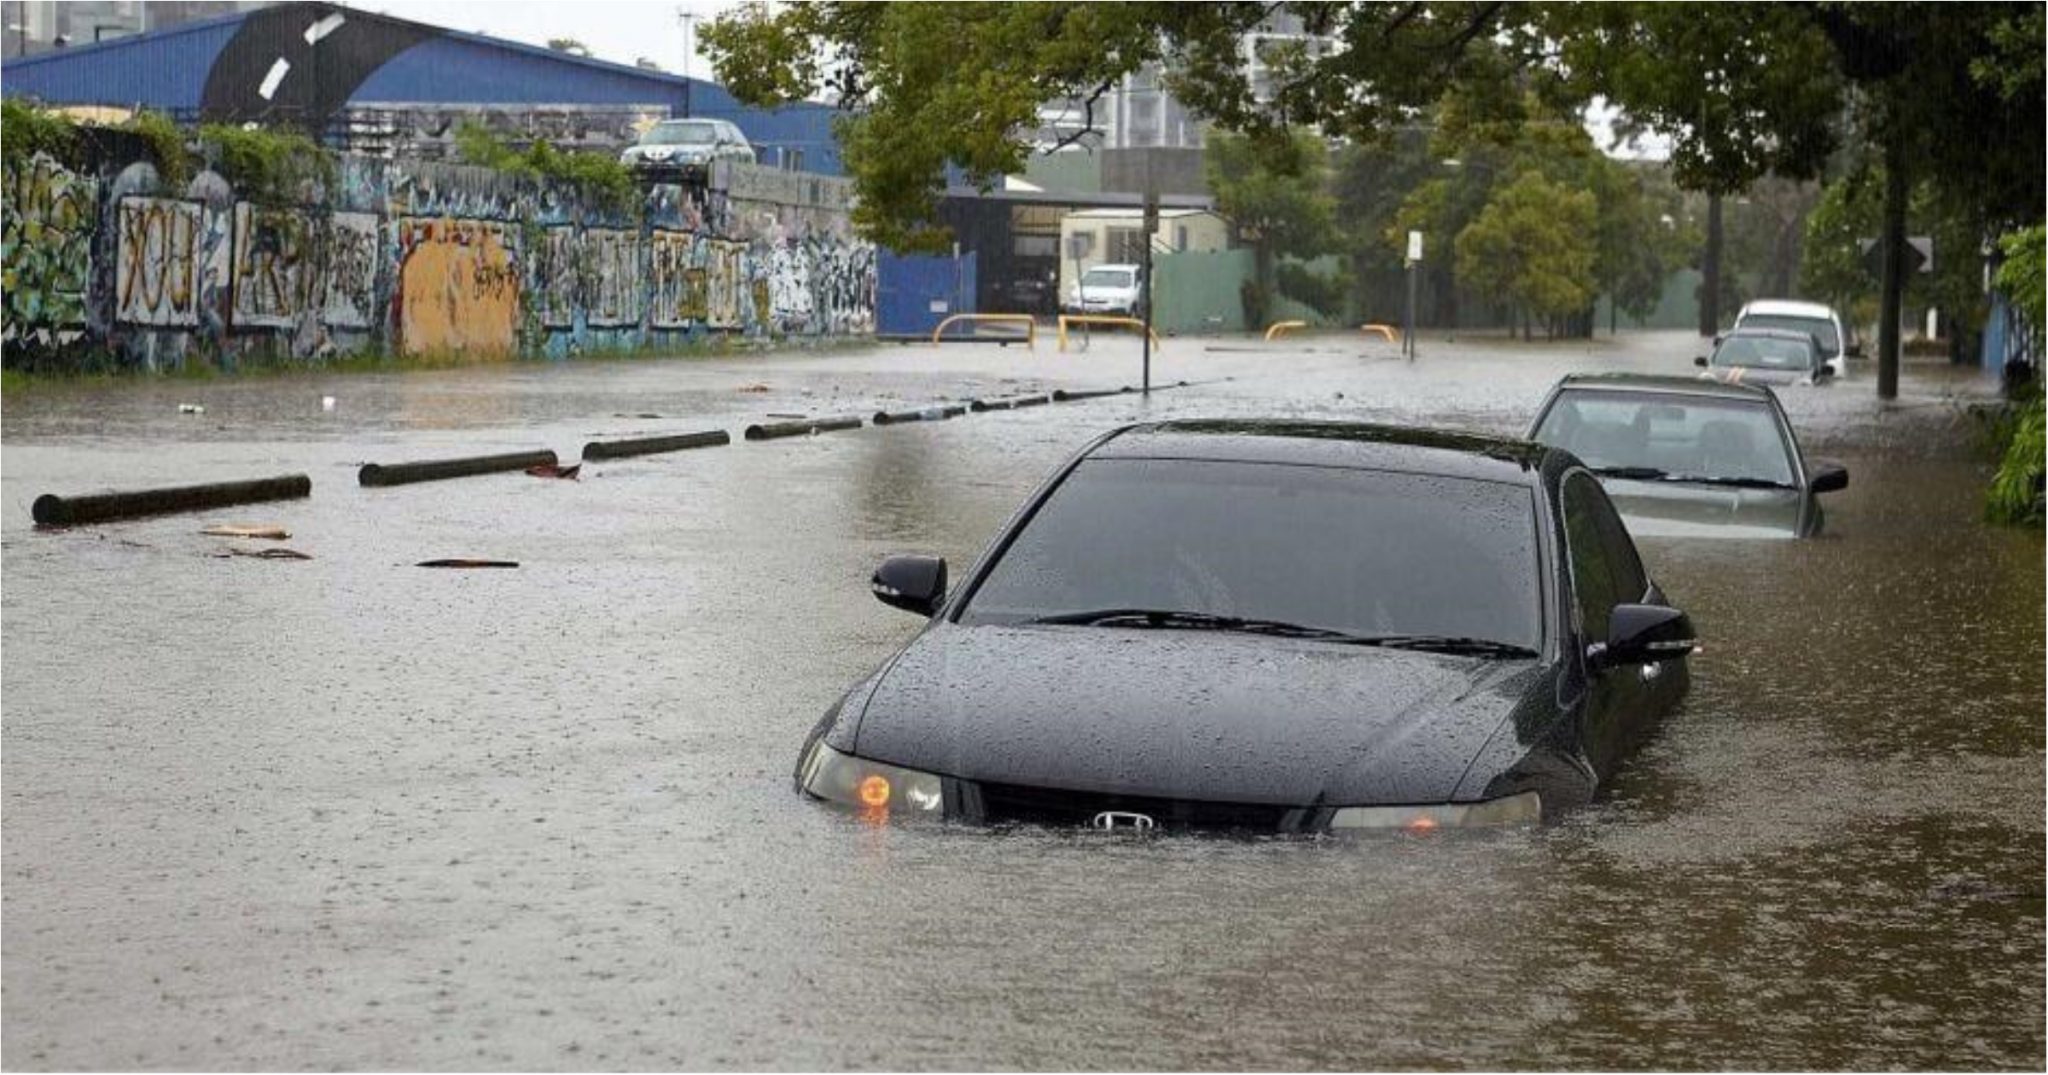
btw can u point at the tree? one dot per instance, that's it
(1534, 246)
(569, 45)
(1276, 193)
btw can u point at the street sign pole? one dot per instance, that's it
(1145, 286)
(1414, 275)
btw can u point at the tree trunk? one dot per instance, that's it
(1893, 285)
(1710, 271)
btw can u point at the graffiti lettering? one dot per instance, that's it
(46, 226)
(159, 257)
(458, 284)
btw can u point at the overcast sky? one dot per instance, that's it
(621, 31)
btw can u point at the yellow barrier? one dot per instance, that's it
(1387, 332)
(1030, 325)
(1098, 319)
(1281, 328)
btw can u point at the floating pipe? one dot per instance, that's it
(437, 469)
(53, 510)
(1007, 403)
(776, 430)
(935, 413)
(620, 449)
(1064, 396)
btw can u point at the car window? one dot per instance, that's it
(1605, 568)
(1106, 278)
(1769, 352)
(1820, 328)
(1359, 551)
(1679, 434)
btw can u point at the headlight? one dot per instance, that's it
(869, 785)
(1523, 809)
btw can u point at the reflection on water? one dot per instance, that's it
(345, 813)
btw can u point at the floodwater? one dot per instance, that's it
(349, 813)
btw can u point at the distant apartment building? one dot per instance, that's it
(1139, 112)
(34, 26)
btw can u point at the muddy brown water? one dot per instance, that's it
(349, 813)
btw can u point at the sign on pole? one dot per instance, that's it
(1414, 246)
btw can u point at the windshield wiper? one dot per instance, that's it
(1478, 647)
(1655, 475)
(1200, 621)
(1206, 621)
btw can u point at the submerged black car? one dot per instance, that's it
(1278, 626)
(1690, 458)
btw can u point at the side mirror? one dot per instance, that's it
(1643, 634)
(1828, 476)
(1700, 361)
(913, 583)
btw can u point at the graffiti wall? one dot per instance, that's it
(110, 267)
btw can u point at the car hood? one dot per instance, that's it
(1196, 715)
(1678, 509)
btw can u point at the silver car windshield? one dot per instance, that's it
(680, 134)
(1767, 352)
(1106, 278)
(1679, 435)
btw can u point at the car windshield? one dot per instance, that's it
(1106, 278)
(680, 134)
(1820, 328)
(1362, 552)
(1679, 436)
(1768, 352)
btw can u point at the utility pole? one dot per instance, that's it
(689, 20)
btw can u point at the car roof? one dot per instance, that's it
(1119, 265)
(1664, 384)
(1356, 445)
(1787, 308)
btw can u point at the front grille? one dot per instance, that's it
(998, 804)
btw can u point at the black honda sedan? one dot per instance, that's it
(1280, 626)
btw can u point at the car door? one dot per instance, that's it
(1605, 572)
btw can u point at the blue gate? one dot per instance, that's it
(914, 292)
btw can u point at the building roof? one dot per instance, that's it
(306, 62)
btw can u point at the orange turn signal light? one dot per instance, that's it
(1422, 824)
(874, 790)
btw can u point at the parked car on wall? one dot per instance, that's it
(1766, 356)
(1107, 289)
(1690, 458)
(688, 145)
(1823, 323)
(1273, 626)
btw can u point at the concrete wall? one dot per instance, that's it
(109, 267)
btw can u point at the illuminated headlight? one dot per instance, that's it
(869, 785)
(1523, 809)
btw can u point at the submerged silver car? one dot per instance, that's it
(1689, 458)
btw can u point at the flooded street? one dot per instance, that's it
(349, 813)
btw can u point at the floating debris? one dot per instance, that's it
(262, 554)
(465, 563)
(555, 470)
(246, 530)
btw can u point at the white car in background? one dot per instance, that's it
(1820, 322)
(690, 144)
(1106, 289)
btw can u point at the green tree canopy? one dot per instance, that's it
(1534, 245)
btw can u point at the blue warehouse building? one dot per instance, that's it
(338, 70)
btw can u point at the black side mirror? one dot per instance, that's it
(914, 583)
(1828, 476)
(1643, 634)
(1700, 361)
